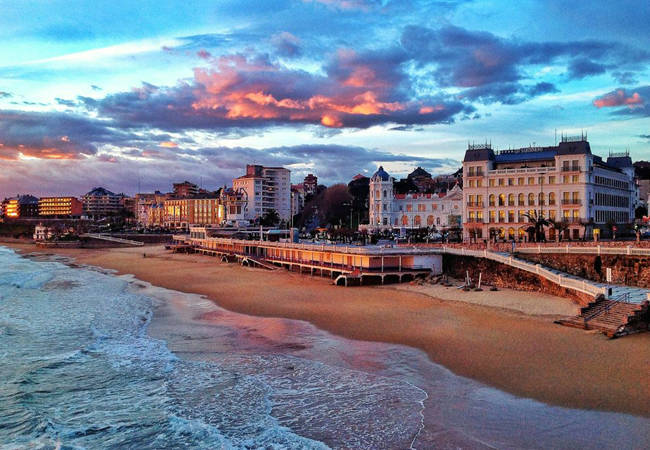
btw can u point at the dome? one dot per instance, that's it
(381, 174)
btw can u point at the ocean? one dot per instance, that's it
(93, 360)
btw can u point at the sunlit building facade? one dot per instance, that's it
(266, 188)
(388, 210)
(564, 183)
(59, 207)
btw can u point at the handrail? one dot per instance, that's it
(623, 298)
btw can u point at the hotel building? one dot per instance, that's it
(267, 188)
(180, 213)
(20, 207)
(101, 202)
(60, 207)
(388, 210)
(563, 183)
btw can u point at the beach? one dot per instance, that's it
(511, 347)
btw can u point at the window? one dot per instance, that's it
(491, 199)
(551, 198)
(521, 200)
(531, 180)
(409, 208)
(502, 199)
(520, 181)
(551, 179)
(492, 216)
(501, 182)
(471, 183)
(511, 181)
(384, 193)
(491, 183)
(540, 199)
(574, 179)
(479, 183)
(511, 199)
(531, 199)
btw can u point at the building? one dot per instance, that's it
(185, 189)
(180, 213)
(60, 207)
(310, 183)
(565, 183)
(297, 199)
(388, 210)
(21, 207)
(234, 203)
(101, 202)
(147, 208)
(267, 188)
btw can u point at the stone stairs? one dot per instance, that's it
(614, 318)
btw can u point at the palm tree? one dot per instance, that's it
(537, 224)
(559, 226)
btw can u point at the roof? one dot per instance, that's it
(419, 172)
(100, 192)
(515, 156)
(381, 174)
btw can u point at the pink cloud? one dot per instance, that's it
(619, 97)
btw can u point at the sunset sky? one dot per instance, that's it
(122, 92)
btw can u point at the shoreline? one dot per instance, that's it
(519, 353)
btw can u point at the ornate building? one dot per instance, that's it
(565, 183)
(388, 210)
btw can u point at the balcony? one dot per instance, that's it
(571, 201)
(521, 170)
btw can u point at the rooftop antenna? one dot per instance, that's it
(555, 141)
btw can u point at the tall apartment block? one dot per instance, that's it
(266, 188)
(564, 183)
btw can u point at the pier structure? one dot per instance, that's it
(346, 265)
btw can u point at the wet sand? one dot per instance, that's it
(507, 345)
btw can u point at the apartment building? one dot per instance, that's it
(180, 213)
(60, 207)
(101, 202)
(388, 210)
(266, 188)
(566, 182)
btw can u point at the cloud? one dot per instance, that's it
(58, 135)
(492, 68)
(287, 44)
(619, 97)
(582, 67)
(216, 166)
(238, 91)
(630, 102)
(4, 94)
(364, 5)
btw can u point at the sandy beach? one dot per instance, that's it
(505, 339)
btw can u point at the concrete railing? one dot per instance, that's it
(593, 250)
(105, 237)
(583, 286)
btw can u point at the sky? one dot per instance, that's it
(135, 95)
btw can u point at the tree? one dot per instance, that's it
(560, 226)
(270, 218)
(536, 228)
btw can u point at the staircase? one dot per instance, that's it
(613, 317)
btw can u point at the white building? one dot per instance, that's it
(388, 210)
(266, 188)
(563, 183)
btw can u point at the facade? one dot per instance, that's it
(310, 183)
(234, 203)
(297, 199)
(180, 213)
(101, 202)
(564, 183)
(147, 208)
(60, 207)
(185, 189)
(266, 188)
(388, 210)
(20, 207)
